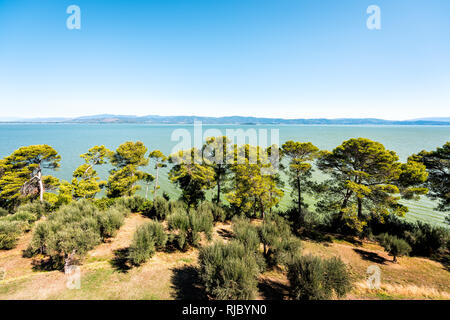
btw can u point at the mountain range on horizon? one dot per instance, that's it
(156, 119)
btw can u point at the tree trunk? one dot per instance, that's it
(344, 203)
(218, 190)
(300, 213)
(156, 181)
(395, 259)
(146, 192)
(41, 186)
(359, 208)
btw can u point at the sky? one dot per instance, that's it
(265, 58)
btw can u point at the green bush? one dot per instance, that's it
(104, 203)
(176, 205)
(134, 203)
(10, 232)
(216, 210)
(425, 239)
(166, 196)
(36, 207)
(246, 233)
(273, 232)
(111, 220)
(187, 227)
(287, 251)
(160, 208)
(74, 229)
(228, 271)
(147, 238)
(146, 208)
(395, 246)
(3, 212)
(314, 278)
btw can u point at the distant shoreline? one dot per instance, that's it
(232, 120)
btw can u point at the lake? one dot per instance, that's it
(71, 140)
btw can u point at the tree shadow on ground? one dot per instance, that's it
(444, 259)
(370, 256)
(272, 290)
(120, 260)
(47, 264)
(226, 234)
(348, 238)
(186, 284)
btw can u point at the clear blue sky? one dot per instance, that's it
(277, 58)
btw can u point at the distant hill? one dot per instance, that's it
(155, 119)
(441, 119)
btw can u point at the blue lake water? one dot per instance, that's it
(71, 140)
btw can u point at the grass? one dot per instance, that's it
(173, 275)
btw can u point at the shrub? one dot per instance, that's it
(10, 232)
(166, 196)
(287, 251)
(147, 238)
(176, 205)
(147, 207)
(273, 232)
(395, 246)
(75, 229)
(134, 203)
(36, 208)
(425, 239)
(187, 227)
(216, 210)
(160, 208)
(314, 278)
(228, 271)
(104, 203)
(246, 233)
(111, 220)
(13, 225)
(3, 212)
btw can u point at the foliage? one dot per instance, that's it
(22, 173)
(160, 161)
(246, 233)
(187, 227)
(216, 154)
(274, 233)
(395, 246)
(367, 182)
(191, 175)
(86, 183)
(75, 229)
(228, 271)
(13, 225)
(160, 208)
(425, 239)
(437, 163)
(104, 203)
(215, 209)
(300, 156)
(255, 186)
(133, 203)
(64, 195)
(3, 212)
(10, 231)
(126, 161)
(147, 238)
(176, 205)
(111, 220)
(314, 278)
